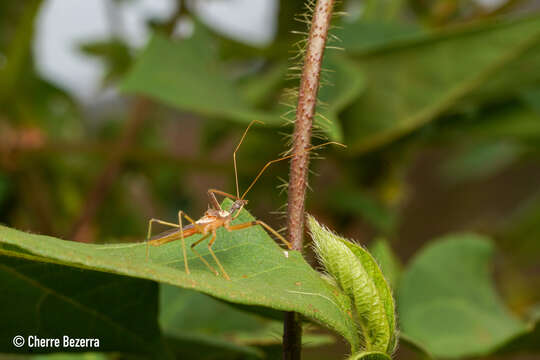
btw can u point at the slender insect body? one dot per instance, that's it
(209, 223)
(214, 218)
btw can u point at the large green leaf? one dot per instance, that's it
(262, 273)
(415, 81)
(186, 74)
(50, 301)
(447, 301)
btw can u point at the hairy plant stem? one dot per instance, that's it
(305, 111)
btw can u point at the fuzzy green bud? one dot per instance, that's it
(357, 274)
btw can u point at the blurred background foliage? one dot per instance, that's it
(438, 102)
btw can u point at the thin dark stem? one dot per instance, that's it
(307, 100)
(292, 336)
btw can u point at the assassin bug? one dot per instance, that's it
(216, 217)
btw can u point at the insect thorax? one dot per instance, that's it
(217, 213)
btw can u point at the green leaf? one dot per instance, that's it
(262, 273)
(357, 274)
(343, 84)
(184, 313)
(511, 122)
(412, 83)
(531, 97)
(363, 36)
(351, 201)
(170, 71)
(189, 316)
(186, 74)
(50, 301)
(114, 53)
(259, 88)
(447, 301)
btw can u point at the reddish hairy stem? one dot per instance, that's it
(305, 110)
(307, 100)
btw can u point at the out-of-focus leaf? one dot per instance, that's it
(262, 273)
(51, 301)
(186, 74)
(185, 314)
(361, 36)
(480, 161)
(358, 203)
(532, 98)
(260, 86)
(114, 53)
(387, 260)
(343, 83)
(381, 10)
(412, 83)
(447, 301)
(520, 123)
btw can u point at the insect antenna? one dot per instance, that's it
(284, 158)
(234, 155)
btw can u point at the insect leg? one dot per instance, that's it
(149, 235)
(199, 255)
(263, 224)
(183, 241)
(210, 243)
